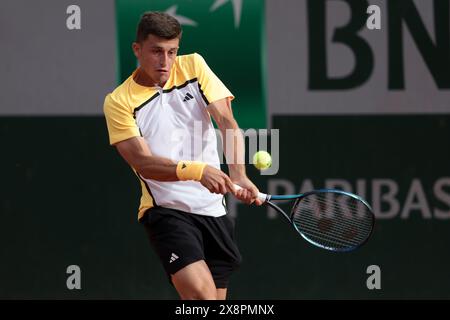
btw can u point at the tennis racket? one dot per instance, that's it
(327, 218)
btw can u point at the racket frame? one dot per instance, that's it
(298, 198)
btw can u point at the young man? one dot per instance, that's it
(157, 119)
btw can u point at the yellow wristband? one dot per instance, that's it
(190, 170)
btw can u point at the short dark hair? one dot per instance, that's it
(159, 24)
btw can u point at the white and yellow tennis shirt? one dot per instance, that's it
(174, 122)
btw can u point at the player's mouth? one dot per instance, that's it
(162, 70)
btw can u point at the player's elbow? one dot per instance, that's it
(143, 171)
(156, 168)
(226, 122)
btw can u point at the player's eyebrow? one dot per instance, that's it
(159, 47)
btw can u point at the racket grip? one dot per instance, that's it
(261, 196)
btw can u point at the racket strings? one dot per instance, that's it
(355, 206)
(347, 222)
(331, 241)
(344, 221)
(338, 205)
(333, 220)
(311, 225)
(331, 237)
(343, 225)
(311, 228)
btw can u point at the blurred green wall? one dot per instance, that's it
(69, 199)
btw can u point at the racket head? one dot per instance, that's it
(333, 219)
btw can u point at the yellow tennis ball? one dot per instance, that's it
(262, 160)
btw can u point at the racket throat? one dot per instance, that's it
(278, 209)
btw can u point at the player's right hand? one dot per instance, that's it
(216, 181)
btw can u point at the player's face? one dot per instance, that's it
(156, 57)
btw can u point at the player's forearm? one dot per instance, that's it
(234, 148)
(157, 168)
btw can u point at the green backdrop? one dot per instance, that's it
(235, 53)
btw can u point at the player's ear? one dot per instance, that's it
(136, 46)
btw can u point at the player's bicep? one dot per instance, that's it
(221, 112)
(135, 151)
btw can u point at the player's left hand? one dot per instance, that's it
(249, 192)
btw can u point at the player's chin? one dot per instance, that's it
(161, 77)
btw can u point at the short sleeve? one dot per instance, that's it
(120, 121)
(211, 86)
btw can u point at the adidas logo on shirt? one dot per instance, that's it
(188, 97)
(173, 257)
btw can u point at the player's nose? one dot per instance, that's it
(164, 60)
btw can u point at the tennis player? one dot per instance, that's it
(153, 117)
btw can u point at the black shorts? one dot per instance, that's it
(181, 238)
